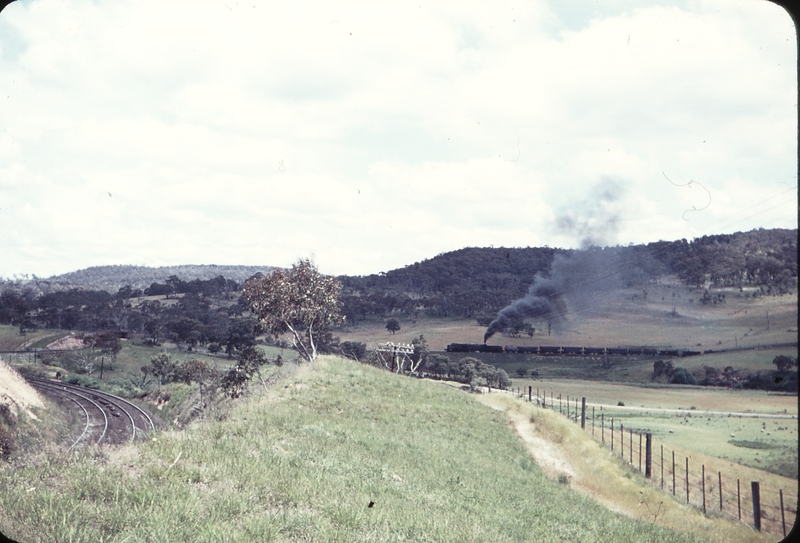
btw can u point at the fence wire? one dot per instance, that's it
(712, 492)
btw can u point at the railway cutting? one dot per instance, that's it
(106, 418)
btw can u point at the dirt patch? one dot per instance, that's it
(550, 456)
(66, 343)
(16, 392)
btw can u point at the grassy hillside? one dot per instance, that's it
(564, 450)
(620, 319)
(304, 461)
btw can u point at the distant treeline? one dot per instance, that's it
(475, 282)
(112, 278)
(204, 312)
(468, 283)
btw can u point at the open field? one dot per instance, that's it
(697, 419)
(339, 452)
(11, 339)
(629, 369)
(564, 450)
(662, 396)
(618, 320)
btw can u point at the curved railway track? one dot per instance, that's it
(108, 418)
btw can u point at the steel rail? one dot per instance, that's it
(112, 399)
(63, 390)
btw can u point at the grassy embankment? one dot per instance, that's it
(303, 462)
(567, 451)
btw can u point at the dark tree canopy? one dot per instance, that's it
(393, 326)
(784, 363)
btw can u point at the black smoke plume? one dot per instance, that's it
(579, 276)
(576, 278)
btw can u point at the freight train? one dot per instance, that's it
(566, 351)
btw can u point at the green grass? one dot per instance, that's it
(711, 435)
(11, 339)
(752, 444)
(690, 428)
(302, 462)
(626, 369)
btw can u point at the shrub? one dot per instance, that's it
(8, 434)
(353, 349)
(682, 376)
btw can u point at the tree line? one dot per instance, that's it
(467, 283)
(478, 282)
(196, 312)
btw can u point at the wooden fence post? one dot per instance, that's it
(530, 392)
(538, 400)
(648, 457)
(612, 434)
(583, 414)
(739, 498)
(630, 445)
(783, 516)
(603, 428)
(756, 490)
(621, 441)
(687, 479)
(592, 421)
(719, 474)
(640, 452)
(673, 473)
(703, 486)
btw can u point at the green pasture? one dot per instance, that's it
(338, 452)
(619, 320)
(764, 444)
(11, 339)
(695, 418)
(664, 396)
(630, 369)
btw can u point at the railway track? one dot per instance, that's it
(107, 418)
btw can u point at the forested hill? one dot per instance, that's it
(112, 278)
(467, 283)
(476, 281)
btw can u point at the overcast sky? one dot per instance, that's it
(373, 135)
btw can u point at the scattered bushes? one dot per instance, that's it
(8, 432)
(772, 380)
(675, 376)
(353, 349)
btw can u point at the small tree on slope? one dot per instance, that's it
(300, 301)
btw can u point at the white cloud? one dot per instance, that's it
(375, 136)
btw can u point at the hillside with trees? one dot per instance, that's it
(113, 278)
(477, 282)
(470, 283)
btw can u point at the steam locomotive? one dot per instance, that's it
(566, 351)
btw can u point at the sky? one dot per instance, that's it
(369, 136)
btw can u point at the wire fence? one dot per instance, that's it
(767, 508)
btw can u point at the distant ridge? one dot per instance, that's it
(112, 278)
